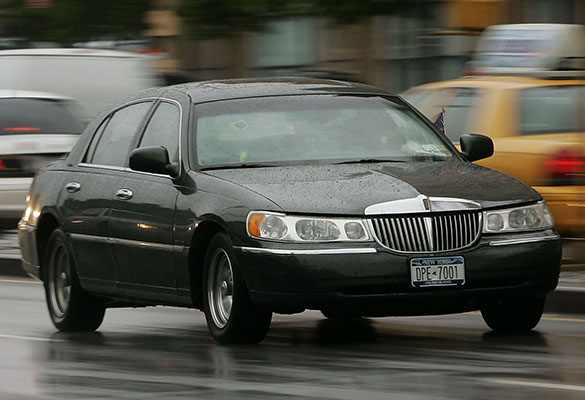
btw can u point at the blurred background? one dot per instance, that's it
(394, 44)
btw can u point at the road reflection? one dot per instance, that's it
(311, 358)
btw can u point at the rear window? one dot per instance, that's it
(19, 116)
(553, 109)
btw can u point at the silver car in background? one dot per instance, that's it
(35, 129)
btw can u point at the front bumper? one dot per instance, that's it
(374, 281)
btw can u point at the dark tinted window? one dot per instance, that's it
(94, 141)
(163, 129)
(550, 110)
(36, 116)
(115, 141)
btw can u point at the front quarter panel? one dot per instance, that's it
(206, 198)
(42, 206)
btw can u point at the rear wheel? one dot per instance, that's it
(513, 317)
(70, 307)
(230, 315)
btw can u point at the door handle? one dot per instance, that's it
(124, 194)
(73, 187)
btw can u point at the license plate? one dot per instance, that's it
(440, 271)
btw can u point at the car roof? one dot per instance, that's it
(69, 52)
(500, 82)
(206, 91)
(29, 94)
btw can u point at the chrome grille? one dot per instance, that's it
(428, 233)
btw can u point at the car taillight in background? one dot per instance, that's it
(25, 165)
(566, 168)
(22, 129)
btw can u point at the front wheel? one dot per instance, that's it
(70, 307)
(514, 317)
(230, 315)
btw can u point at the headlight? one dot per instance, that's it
(527, 218)
(280, 227)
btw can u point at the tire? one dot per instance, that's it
(70, 307)
(513, 317)
(230, 315)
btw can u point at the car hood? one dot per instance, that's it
(349, 189)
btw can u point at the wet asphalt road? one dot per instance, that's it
(167, 353)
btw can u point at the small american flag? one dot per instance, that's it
(440, 122)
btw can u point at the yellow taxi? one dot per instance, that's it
(537, 122)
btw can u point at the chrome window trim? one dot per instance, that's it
(340, 251)
(126, 169)
(535, 239)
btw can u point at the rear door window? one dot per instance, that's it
(551, 109)
(116, 139)
(20, 116)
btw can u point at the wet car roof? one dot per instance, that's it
(206, 91)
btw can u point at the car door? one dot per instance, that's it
(142, 215)
(89, 191)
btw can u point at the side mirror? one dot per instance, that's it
(153, 159)
(476, 147)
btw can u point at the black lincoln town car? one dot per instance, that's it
(248, 197)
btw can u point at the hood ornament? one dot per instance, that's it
(427, 204)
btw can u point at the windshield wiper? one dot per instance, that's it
(236, 166)
(369, 161)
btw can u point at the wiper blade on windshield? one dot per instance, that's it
(369, 161)
(236, 166)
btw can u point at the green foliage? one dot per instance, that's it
(221, 18)
(68, 21)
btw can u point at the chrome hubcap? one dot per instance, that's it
(59, 281)
(220, 288)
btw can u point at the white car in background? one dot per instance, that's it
(35, 129)
(94, 78)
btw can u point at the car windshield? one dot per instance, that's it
(312, 128)
(21, 116)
